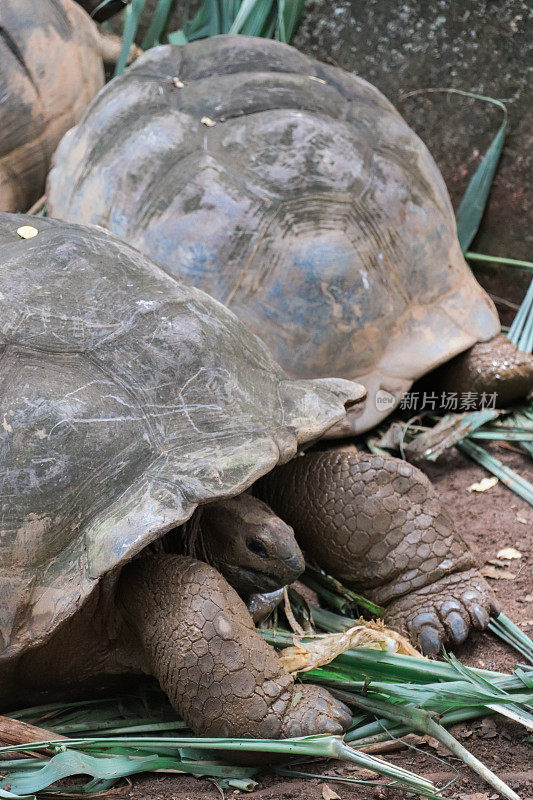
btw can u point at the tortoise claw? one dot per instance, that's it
(457, 627)
(479, 616)
(315, 710)
(444, 611)
(430, 641)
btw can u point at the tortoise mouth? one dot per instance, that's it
(259, 581)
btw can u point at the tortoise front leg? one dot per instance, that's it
(377, 524)
(218, 672)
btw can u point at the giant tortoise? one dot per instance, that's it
(295, 194)
(127, 401)
(51, 65)
(136, 413)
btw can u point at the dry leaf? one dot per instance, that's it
(474, 796)
(177, 83)
(487, 730)
(208, 121)
(27, 232)
(293, 622)
(498, 574)
(320, 649)
(523, 520)
(509, 553)
(483, 485)
(328, 793)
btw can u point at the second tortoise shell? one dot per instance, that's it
(294, 193)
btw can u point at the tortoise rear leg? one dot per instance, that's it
(200, 642)
(377, 524)
(496, 367)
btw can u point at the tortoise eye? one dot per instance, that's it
(257, 548)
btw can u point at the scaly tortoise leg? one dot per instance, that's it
(220, 675)
(377, 524)
(496, 367)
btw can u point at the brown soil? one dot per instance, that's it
(490, 521)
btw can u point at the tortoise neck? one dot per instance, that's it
(194, 541)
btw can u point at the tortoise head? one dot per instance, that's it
(252, 547)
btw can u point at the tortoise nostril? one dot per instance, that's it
(257, 548)
(297, 562)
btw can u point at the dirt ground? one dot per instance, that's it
(490, 521)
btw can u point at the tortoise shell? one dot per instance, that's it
(50, 68)
(127, 400)
(295, 194)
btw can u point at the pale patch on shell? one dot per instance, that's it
(27, 231)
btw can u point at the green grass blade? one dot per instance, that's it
(206, 22)
(336, 594)
(289, 13)
(424, 722)
(96, 758)
(131, 23)
(501, 433)
(509, 477)
(511, 262)
(330, 622)
(472, 206)
(252, 17)
(379, 665)
(177, 37)
(266, 18)
(521, 331)
(510, 633)
(155, 33)
(228, 11)
(449, 430)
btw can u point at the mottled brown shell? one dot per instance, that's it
(127, 399)
(293, 192)
(50, 68)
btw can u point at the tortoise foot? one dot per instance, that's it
(445, 611)
(314, 710)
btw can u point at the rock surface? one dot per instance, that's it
(475, 45)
